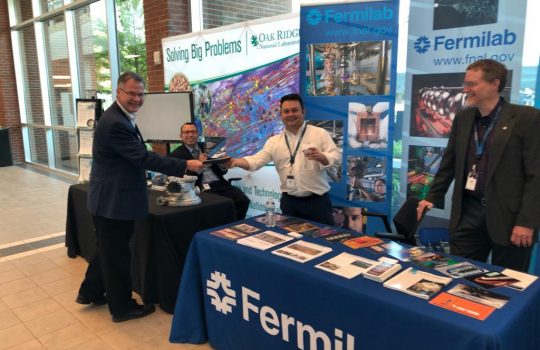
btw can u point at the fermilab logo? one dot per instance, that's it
(484, 39)
(314, 16)
(225, 304)
(283, 325)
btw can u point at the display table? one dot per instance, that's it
(159, 245)
(269, 302)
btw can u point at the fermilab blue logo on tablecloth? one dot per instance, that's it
(269, 319)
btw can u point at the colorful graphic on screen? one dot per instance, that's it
(244, 108)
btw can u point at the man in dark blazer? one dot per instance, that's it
(210, 178)
(117, 196)
(493, 154)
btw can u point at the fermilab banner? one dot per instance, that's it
(444, 38)
(348, 57)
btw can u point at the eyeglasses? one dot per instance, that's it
(190, 132)
(132, 94)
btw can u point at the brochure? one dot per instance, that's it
(492, 279)
(362, 242)
(346, 265)
(479, 295)
(525, 279)
(332, 235)
(302, 251)
(299, 227)
(218, 160)
(460, 270)
(264, 240)
(417, 283)
(402, 253)
(462, 306)
(382, 271)
(432, 260)
(229, 233)
(245, 228)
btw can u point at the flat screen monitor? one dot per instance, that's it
(162, 115)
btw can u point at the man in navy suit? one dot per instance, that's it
(493, 154)
(117, 196)
(210, 178)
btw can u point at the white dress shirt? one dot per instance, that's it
(309, 175)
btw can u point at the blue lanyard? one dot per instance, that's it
(480, 145)
(293, 155)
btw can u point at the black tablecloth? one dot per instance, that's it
(159, 245)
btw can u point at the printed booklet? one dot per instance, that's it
(245, 228)
(417, 283)
(462, 306)
(460, 270)
(432, 260)
(346, 265)
(229, 233)
(302, 251)
(479, 295)
(264, 240)
(492, 279)
(382, 271)
(525, 279)
(362, 242)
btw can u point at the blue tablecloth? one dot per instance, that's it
(269, 302)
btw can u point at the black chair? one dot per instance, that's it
(405, 221)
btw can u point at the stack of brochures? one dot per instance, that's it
(382, 271)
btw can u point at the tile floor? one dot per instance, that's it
(38, 287)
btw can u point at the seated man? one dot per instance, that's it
(210, 178)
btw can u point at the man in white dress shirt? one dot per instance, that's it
(301, 154)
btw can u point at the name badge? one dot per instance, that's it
(206, 187)
(471, 180)
(290, 181)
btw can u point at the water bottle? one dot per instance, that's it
(270, 210)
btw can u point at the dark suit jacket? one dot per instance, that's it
(183, 152)
(118, 187)
(513, 175)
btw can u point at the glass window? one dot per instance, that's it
(30, 70)
(49, 5)
(38, 145)
(221, 13)
(131, 38)
(61, 99)
(92, 51)
(23, 10)
(65, 149)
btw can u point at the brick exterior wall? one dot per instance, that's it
(217, 13)
(9, 105)
(163, 19)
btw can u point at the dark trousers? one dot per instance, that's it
(471, 240)
(109, 270)
(314, 207)
(241, 201)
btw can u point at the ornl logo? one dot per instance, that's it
(314, 17)
(274, 324)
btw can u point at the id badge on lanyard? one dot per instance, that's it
(472, 176)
